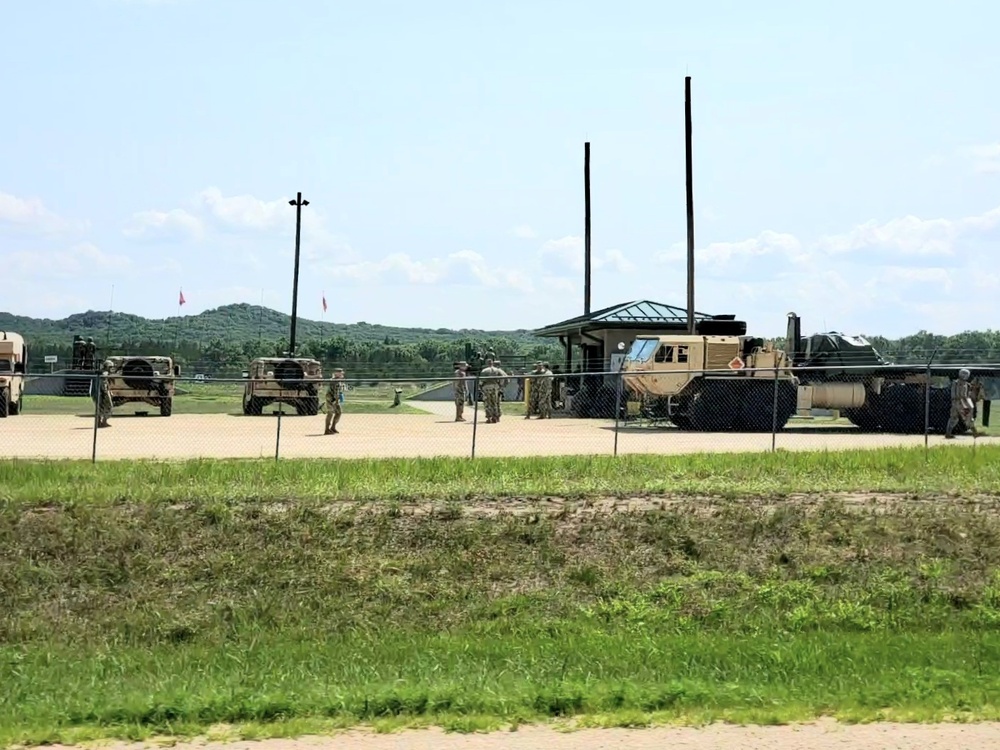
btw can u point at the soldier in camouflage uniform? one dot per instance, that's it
(490, 384)
(545, 392)
(461, 389)
(104, 401)
(90, 354)
(334, 394)
(962, 406)
(532, 379)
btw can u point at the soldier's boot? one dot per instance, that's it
(334, 429)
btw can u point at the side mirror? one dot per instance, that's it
(19, 367)
(177, 371)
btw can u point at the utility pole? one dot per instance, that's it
(689, 180)
(298, 203)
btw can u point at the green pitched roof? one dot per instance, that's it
(638, 314)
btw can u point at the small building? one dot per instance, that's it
(591, 341)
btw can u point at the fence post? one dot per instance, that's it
(95, 392)
(774, 413)
(475, 412)
(618, 405)
(277, 436)
(927, 406)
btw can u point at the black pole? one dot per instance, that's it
(690, 205)
(298, 203)
(586, 228)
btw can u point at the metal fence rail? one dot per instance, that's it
(585, 414)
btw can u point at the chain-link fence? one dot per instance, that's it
(289, 415)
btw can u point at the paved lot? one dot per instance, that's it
(230, 436)
(823, 735)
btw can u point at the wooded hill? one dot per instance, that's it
(221, 342)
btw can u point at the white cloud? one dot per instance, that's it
(893, 278)
(985, 158)
(79, 261)
(721, 254)
(464, 267)
(246, 216)
(564, 256)
(245, 212)
(176, 224)
(524, 232)
(909, 237)
(30, 214)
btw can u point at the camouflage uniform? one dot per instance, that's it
(461, 390)
(532, 379)
(492, 382)
(104, 401)
(545, 392)
(961, 406)
(334, 393)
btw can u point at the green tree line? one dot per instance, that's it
(220, 343)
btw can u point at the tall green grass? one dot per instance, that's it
(131, 619)
(945, 470)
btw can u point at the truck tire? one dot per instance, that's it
(756, 404)
(252, 407)
(166, 407)
(3, 404)
(15, 407)
(713, 407)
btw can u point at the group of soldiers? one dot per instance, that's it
(84, 354)
(492, 381)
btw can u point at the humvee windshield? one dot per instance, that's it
(642, 350)
(5, 366)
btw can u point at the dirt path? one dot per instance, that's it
(825, 735)
(381, 436)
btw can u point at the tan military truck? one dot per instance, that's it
(145, 379)
(13, 361)
(295, 381)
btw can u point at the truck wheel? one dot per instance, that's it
(713, 409)
(254, 407)
(14, 408)
(3, 405)
(903, 409)
(166, 407)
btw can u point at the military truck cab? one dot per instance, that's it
(711, 383)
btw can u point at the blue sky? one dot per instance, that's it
(847, 158)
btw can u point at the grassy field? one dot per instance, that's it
(222, 398)
(266, 597)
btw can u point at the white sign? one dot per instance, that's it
(51, 359)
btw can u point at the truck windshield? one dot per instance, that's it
(642, 350)
(6, 366)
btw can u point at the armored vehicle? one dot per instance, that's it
(13, 361)
(741, 384)
(147, 379)
(286, 380)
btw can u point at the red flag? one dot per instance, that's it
(181, 301)
(324, 303)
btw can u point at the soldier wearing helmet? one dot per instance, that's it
(104, 401)
(962, 406)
